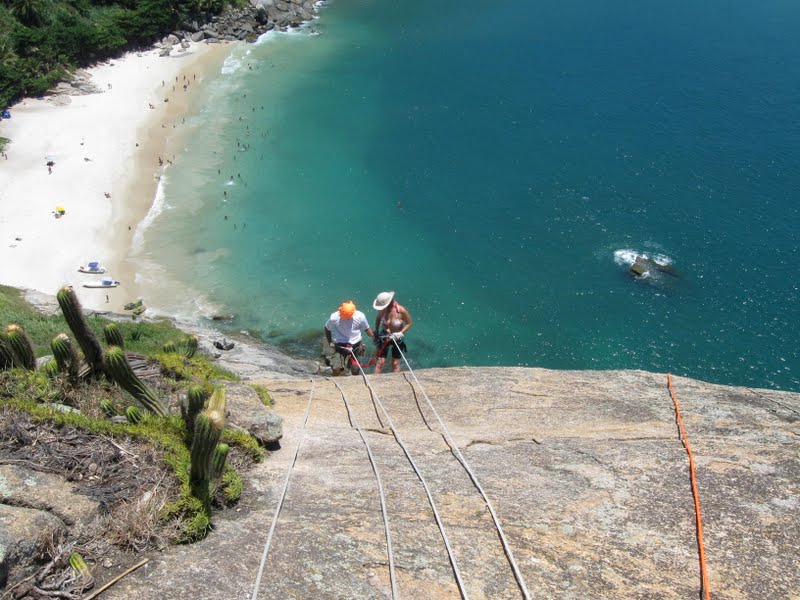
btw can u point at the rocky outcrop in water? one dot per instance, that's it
(244, 24)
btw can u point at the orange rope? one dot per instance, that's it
(695, 493)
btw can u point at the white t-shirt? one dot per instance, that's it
(347, 331)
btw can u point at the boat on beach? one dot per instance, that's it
(105, 282)
(92, 267)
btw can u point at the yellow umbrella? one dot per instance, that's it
(60, 209)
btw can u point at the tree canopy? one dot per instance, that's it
(42, 40)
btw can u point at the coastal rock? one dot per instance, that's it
(170, 40)
(20, 486)
(24, 536)
(584, 469)
(60, 99)
(247, 412)
(223, 345)
(165, 52)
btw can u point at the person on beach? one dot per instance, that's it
(391, 323)
(343, 334)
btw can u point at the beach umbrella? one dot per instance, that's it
(60, 209)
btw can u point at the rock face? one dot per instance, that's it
(35, 509)
(585, 470)
(24, 535)
(246, 23)
(246, 411)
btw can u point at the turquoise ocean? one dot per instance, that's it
(499, 165)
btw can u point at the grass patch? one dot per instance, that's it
(244, 442)
(263, 394)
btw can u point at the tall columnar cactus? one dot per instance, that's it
(65, 354)
(21, 347)
(207, 431)
(134, 415)
(190, 346)
(113, 335)
(217, 401)
(120, 371)
(87, 340)
(6, 356)
(191, 407)
(218, 461)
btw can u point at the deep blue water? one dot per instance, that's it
(487, 162)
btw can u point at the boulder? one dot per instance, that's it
(247, 412)
(165, 52)
(170, 40)
(199, 36)
(24, 538)
(639, 266)
(46, 491)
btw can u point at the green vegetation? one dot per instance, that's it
(41, 41)
(199, 463)
(263, 394)
(4, 142)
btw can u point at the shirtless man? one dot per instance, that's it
(392, 321)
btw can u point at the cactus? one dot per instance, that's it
(79, 565)
(134, 415)
(217, 400)
(113, 336)
(121, 372)
(51, 369)
(218, 461)
(191, 407)
(87, 340)
(169, 347)
(65, 355)
(108, 408)
(207, 431)
(21, 347)
(6, 356)
(190, 346)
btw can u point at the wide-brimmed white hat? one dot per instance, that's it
(383, 300)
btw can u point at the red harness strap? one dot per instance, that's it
(372, 360)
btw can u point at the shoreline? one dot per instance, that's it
(105, 150)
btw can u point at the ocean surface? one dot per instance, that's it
(500, 166)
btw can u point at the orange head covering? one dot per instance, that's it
(347, 309)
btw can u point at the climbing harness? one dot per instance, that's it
(460, 457)
(705, 589)
(375, 399)
(278, 508)
(353, 361)
(389, 553)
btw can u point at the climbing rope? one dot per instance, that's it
(384, 512)
(460, 457)
(376, 400)
(705, 589)
(278, 508)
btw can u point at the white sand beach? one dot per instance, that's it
(105, 150)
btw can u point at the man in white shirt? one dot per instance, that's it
(343, 332)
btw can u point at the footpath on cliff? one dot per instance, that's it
(585, 470)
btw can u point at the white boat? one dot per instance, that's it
(92, 267)
(105, 282)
